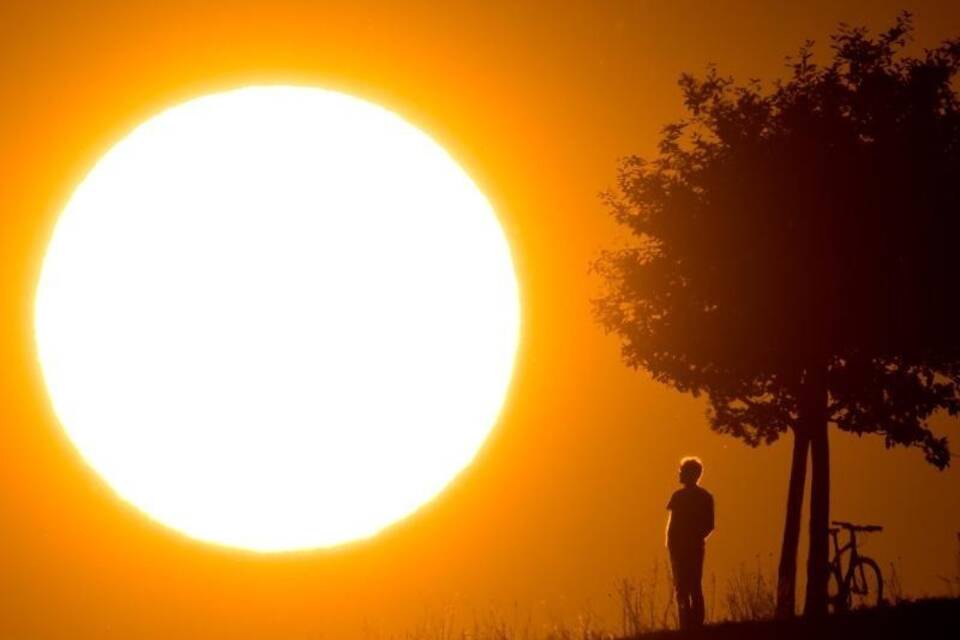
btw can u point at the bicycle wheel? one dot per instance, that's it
(838, 595)
(866, 584)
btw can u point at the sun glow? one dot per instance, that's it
(277, 318)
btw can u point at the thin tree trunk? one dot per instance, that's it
(787, 573)
(818, 557)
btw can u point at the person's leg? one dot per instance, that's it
(697, 608)
(680, 588)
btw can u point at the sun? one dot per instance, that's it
(277, 318)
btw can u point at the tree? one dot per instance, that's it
(793, 260)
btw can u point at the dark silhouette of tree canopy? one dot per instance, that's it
(796, 259)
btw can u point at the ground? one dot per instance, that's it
(921, 619)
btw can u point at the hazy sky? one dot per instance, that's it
(537, 101)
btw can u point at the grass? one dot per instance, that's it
(750, 595)
(928, 619)
(647, 604)
(742, 611)
(953, 582)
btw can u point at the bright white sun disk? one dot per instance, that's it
(277, 318)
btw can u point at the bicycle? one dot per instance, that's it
(862, 584)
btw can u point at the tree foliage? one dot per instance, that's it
(809, 224)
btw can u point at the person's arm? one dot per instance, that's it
(709, 524)
(666, 531)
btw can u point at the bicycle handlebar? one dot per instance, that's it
(856, 527)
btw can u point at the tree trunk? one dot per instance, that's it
(787, 572)
(818, 557)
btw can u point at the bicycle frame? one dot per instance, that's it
(838, 552)
(847, 581)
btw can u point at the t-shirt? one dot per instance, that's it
(691, 516)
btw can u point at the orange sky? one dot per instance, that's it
(537, 102)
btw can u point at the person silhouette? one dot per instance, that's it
(691, 521)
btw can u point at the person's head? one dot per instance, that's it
(690, 471)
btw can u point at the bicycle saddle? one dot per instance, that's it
(857, 527)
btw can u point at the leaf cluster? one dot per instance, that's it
(811, 222)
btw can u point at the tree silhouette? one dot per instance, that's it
(794, 260)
